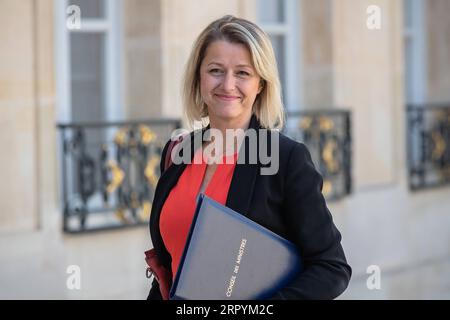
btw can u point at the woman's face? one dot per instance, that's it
(228, 83)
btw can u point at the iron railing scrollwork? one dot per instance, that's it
(428, 136)
(327, 134)
(112, 169)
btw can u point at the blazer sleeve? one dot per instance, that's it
(326, 273)
(155, 293)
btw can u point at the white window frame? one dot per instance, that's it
(293, 53)
(111, 26)
(415, 37)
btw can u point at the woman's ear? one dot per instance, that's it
(261, 86)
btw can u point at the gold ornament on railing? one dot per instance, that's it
(117, 176)
(121, 137)
(326, 124)
(121, 216)
(439, 145)
(328, 153)
(150, 169)
(144, 212)
(327, 187)
(147, 135)
(305, 123)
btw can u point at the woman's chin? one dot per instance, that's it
(226, 113)
(225, 117)
(229, 113)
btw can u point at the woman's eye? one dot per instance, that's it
(216, 71)
(243, 73)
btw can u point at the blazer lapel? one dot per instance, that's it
(244, 178)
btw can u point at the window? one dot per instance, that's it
(415, 51)
(88, 62)
(88, 71)
(280, 20)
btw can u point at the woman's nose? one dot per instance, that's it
(229, 82)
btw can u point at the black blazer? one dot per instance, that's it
(290, 203)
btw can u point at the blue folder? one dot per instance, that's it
(228, 256)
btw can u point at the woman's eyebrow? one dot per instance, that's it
(239, 65)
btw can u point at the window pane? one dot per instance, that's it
(87, 76)
(271, 11)
(87, 85)
(279, 43)
(90, 8)
(407, 9)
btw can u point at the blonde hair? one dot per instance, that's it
(268, 106)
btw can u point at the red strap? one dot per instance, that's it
(168, 159)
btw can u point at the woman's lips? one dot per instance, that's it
(226, 98)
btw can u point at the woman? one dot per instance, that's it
(231, 79)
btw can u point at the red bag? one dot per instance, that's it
(162, 275)
(155, 268)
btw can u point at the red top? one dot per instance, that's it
(178, 210)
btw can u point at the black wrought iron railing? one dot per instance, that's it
(428, 138)
(109, 172)
(327, 134)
